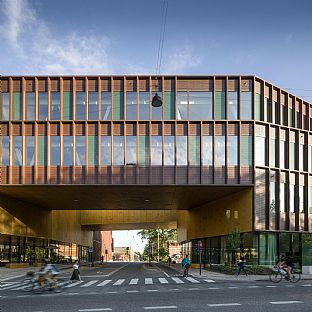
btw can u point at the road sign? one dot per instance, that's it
(90, 249)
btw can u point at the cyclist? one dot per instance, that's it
(186, 263)
(47, 274)
(287, 264)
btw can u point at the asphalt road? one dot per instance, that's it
(140, 287)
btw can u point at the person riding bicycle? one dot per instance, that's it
(287, 264)
(46, 274)
(186, 263)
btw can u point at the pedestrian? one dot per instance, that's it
(102, 259)
(242, 263)
(169, 260)
(76, 274)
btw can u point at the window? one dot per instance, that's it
(220, 150)
(68, 150)
(292, 149)
(290, 117)
(55, 151)
(274, 114)
(93, 150)
(220, 105)
(282, 154)
(131, 102)
(118, 106)
(17, 106)
(301, 198)
(194, 150)
(291, 198)
(156, 152)
(181, 150)
(118, 151)
(93, 106)
(200, 105)
(30, 105)
(246, 106)
(232, 106)
(30, 151)
(144, 105)
(207, 151)
(80, 154)
(55, 106)
(80, 105)
(258, 107)
(282, 197)
(106, 150)
(268, 110)
(106, 105)
(246, 150)
(131, 150)
(41, 150)
(310, 158)
(17, 151)
(157, 111)
(169, 105)
(260, 155)
(5, 105)
(310, 200)
(283, 114)
(5, 151)
(169, 159)
(182, 108)
(67, 105)
(43, 106)
(143, 149)
(272, 152)
(232, 151)
(272, 197)
(301, 157)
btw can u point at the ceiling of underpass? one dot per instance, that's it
(98, 197)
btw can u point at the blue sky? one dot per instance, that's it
(271, 39)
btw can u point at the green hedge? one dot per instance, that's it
(251, 269)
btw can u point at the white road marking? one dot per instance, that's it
(192, 280)
(148, 281)
(224, 304)
(112, 292)
(166, 274)
(132, 291)
(134, 281)
(174, 289)
(177, 280)
(104, 283)
(13, 286)
(253, 286)
(306, 285)
(119, 282)
(160, 307)
(151, 290)
(73, 284)
(271, 286)
(209, 281)
(12, 277)
(232, 287)
(162, 280)
(89, 284)
(111, 273)
(286, 302)
(213, 288)
(193, 288)
(95, 310)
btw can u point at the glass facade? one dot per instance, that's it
(68, 144)
(144, 105)
(80, 151)
(80, 105)
(30, 151)
(30, 106)
(93, 106)
(43, 106)
(106, 111)
(106, 150)
(131, 106)
(55, 113)
(156, 150)
(55, 157)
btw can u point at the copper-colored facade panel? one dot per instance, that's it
(16, 129)
(275, 95)
(55, 129)
(246, 85)
(54, 175)
(118, 84)
(207, 129)
(29, 175)
(17, 85)
(117, 175)
(219, 129)
(232, 175)
(181, 129)
(55, 85)
(194, 175)
(67, 175)
(194, 129)
(207, 175)
(181, 175)
(67, 84)
(219, 175)
(106, 84)
(92, 175)
(41, 175)
(42, 85)
(232, 84)
(5, 85)
(220, 84)
(29, 129)
(194, 84)
(246, 175)
(93, 84)
(267, 91)
(79, 175)
(67, 129)
(156, 84)
(80, 84)
(143, 129)
(156, 128)
(118, 129)
(144, 84)
(169, 128)
(16, 175)
(169, 84)
(106, 129)
(92, 128)
(4, 128)
(130, 129)
(131, 84)
(130, 175)
(80, 129)
(258, 86)
(143, 175)
(42, 129)
(30, 84)
(232, 129)
(105, 175)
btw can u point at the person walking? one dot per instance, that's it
(169, 260)
(186, 263)
(76, 274)
(242, 263)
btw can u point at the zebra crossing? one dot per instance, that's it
(119, 282)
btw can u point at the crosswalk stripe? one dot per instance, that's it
(148, 281)
(12, 286)
(209, 281)
(163, 280)
(73, 284)
(134, 281)
(177, 280)
(104, 283)
(192, 280)
(89, 283)
(119, 282)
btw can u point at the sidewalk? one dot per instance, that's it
(222, 277)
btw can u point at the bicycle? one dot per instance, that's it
(278, 274)
(186, 269)
(38, 283)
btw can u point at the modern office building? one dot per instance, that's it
(91, 153)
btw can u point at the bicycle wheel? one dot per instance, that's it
(276, 277)
(37, 288)
(296, 278)
(27, 284)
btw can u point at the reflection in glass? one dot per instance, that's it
(5, 105)
(207, 150)
(17, 106)
(220, 150)
(310, 200)
(156, 153)
(68, 151)
(194, 150)
(272, 152)
(30, 151)
(106, 105)
(291, 155)
(282, 154)
(246, 150)
(131, 105)
(291, 198)
(301, 158)
(43, 106)
(181, 150)
(143, 149)
(30, 106)
(106, 150)
(93, 107)
(272, 197)
(232, 106)
(118, 151)
(144, 105)
(169, 151)
(80, 150)
(55, 151)
(200, 105)
(182, 106)
(18, 151)
(260, 155)
(232, 151)
(246, 106)
(301, 199)
(131, 150)
(282, 197)
(55, 106)
(157, 111)
(220, 105)
(5, 151)
(93, 150)
(80, 105)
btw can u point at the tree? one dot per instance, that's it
(234, 241)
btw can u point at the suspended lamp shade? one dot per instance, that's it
(156, 101)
